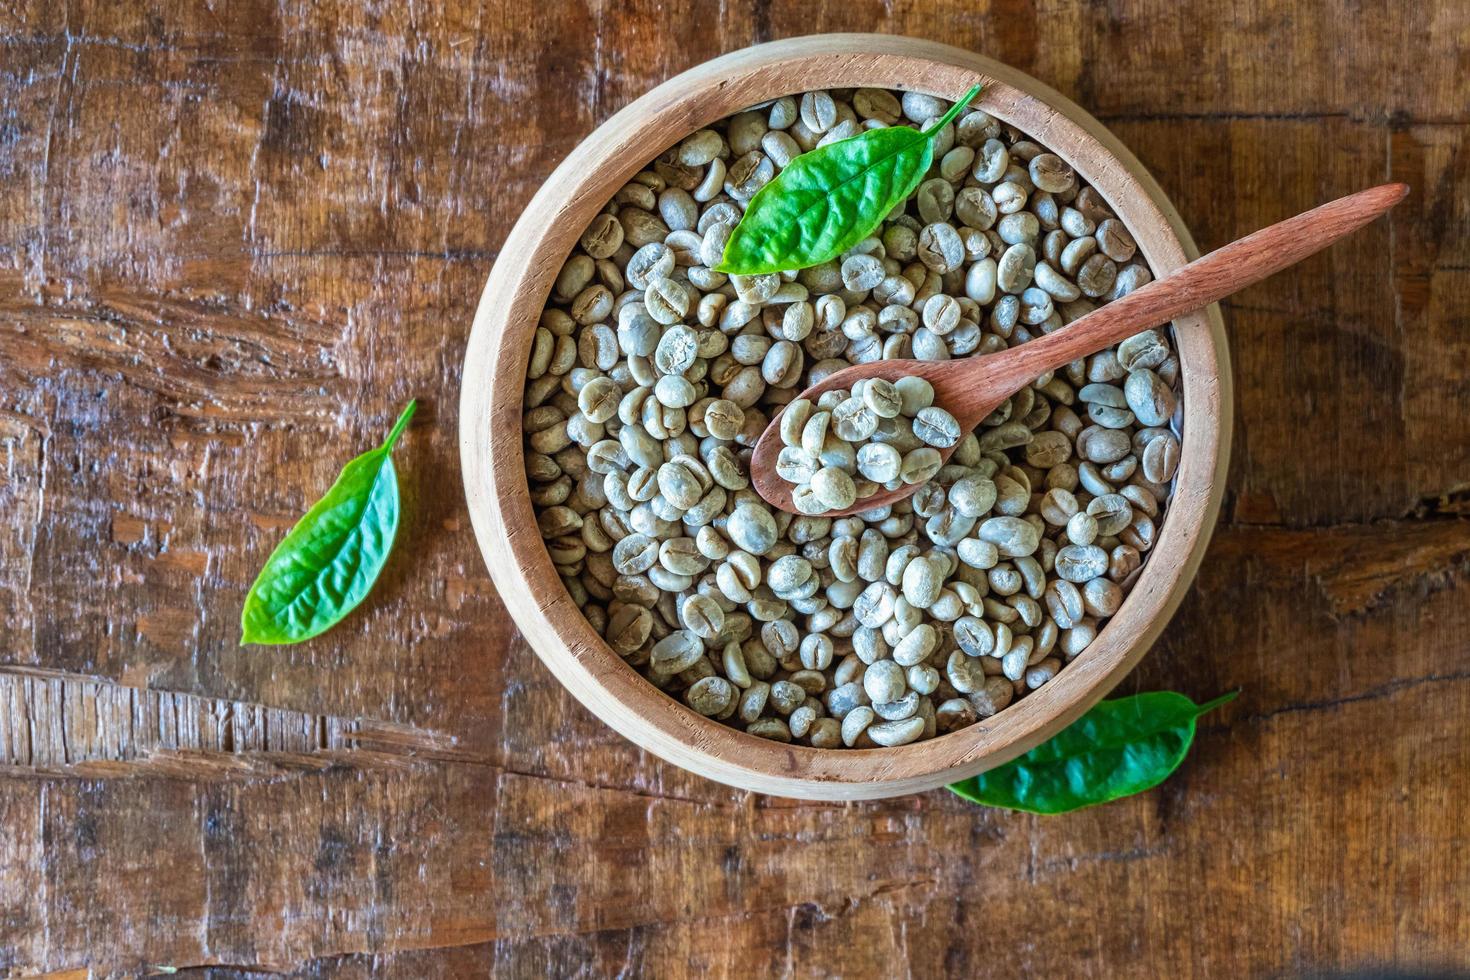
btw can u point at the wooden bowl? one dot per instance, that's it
(494, 378)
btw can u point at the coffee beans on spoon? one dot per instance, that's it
(651, 376)
(848, 445)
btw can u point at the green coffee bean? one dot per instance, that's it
(677, 652)
(1082, 528)
(878, 462)
(916, 647)
(795, 465)
(936, 427)
(853, 420)
(752, 528)
(1011, 536)
(833, 488)
(1079, 563)
(1113, 513)
(702, 616)
(921, 583)
(920, 465)
(914, 394)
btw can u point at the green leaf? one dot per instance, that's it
(1118, 748)
(332, 557)
(826, 201)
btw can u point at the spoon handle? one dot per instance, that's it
(1201, 282)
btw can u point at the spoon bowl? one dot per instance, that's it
(948, 385)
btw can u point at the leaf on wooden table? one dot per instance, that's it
(332, 557)
(1119, 748)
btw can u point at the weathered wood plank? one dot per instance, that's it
(236, 238)
(459, 854)
(1315, 757)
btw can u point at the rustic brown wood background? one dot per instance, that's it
(235, 237)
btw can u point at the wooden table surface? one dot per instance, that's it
(236, 237)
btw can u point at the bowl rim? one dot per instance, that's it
(492, 457)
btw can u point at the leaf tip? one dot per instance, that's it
(248, 633)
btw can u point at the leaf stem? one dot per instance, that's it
(403, 419)
(954, 110)
(1209, 706)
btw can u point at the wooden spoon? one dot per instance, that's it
(971, 388)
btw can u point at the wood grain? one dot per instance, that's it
(235, 238)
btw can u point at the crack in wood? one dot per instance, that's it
(1356, 567)
(250, 367)
(1449, 504)
(1384, 118)
(444, 255)
(1378, 693)
(58, 723)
